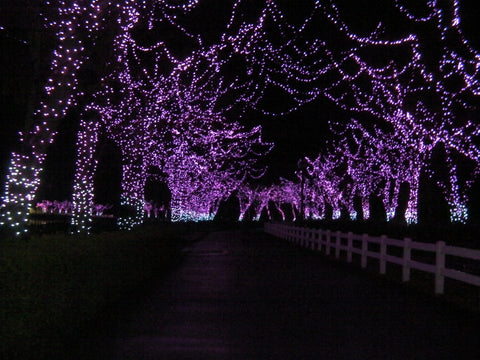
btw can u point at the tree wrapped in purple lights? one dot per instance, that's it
(73, 23)
(379, 161)
(204, 174)
(172, 108)
(422, 101)
(172, 122)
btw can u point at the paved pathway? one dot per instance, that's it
(243, 295)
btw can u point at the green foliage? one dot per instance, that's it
(53, 285)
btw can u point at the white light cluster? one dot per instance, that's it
(86, 164)
(69, 21)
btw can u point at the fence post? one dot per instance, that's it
(319, 239)
(337, 244)
(329, 233)
(439, 267)
(407, 255)
(364, 250)
(349, 246)
(383, 252)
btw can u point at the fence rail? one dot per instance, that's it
(350, 243)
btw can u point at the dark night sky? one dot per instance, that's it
(298, 134)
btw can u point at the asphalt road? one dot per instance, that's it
(247, 295)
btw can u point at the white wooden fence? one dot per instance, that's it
(349, 243)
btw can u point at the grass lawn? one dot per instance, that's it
(52, 285)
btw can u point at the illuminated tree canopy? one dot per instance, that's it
(172, 92)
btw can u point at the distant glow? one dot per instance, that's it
(180, 215)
